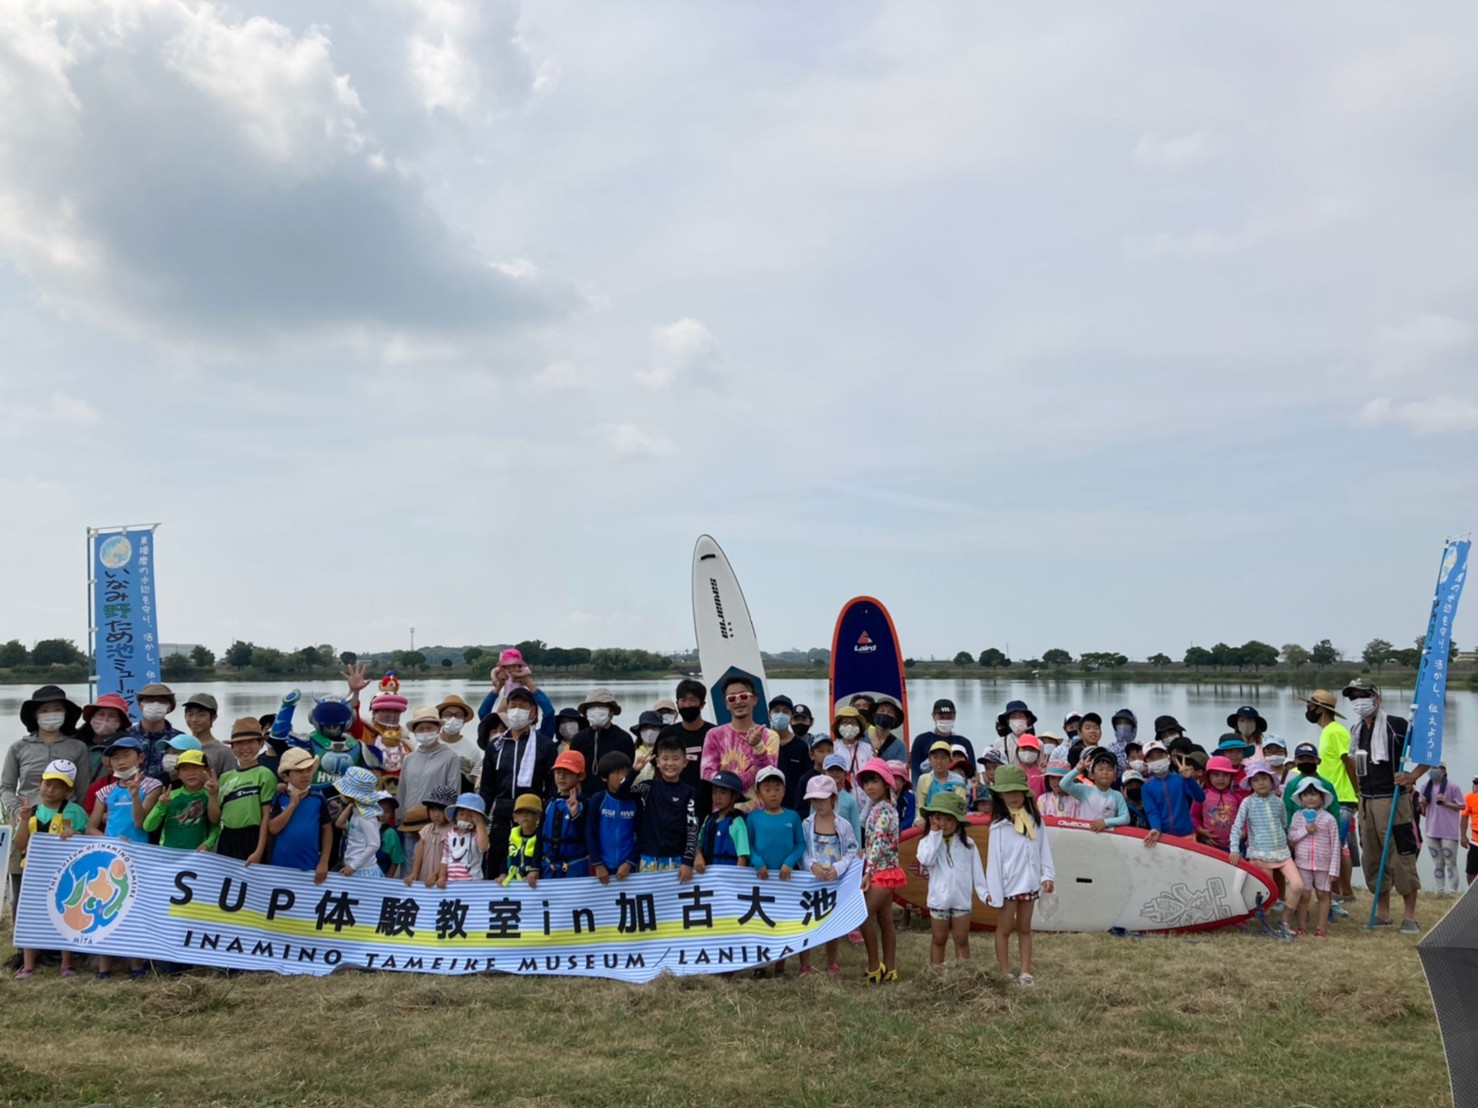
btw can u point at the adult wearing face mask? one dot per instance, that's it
(1014, 722)
(513, 671)
(600, 737)
(793, 754)
(1334, 747)
(200, 718)
(943, 731)
(1246, 722)
(518, 763)
(848, 728)
(50, 719)
(667, 709)
(429, 765)
(155, 702)
(1377, 748)
(1126, 730)
(1169, 731)
(692, 729)
(1070, 724)
(568, 722)
(455, 714)
(102, 721)
(887, 717)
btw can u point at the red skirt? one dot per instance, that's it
(893, 878)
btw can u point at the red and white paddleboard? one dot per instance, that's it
(1111, 879)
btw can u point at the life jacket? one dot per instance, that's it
(562, 848)
(522, 855)
(716, 842)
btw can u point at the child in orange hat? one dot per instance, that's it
(562, 836)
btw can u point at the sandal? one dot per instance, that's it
(1300, 933)
(805, 970)
(891, 975)
(833, 969)
(875, 977)
(1320, 933)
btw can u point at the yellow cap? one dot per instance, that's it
(528, 802)
(191, 758)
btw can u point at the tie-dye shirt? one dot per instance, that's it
(726, 748)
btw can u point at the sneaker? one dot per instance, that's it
(104, 975)
(24, 974)
(1277, 906)
(138, 974)
(1410, 927)
(1026, 981)
(1337, 912)
(68, 971)
(1382, 922)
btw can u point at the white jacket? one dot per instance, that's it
(954, 870)
(1015, 864)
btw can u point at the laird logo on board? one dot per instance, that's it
(725, 628)
(864, 645)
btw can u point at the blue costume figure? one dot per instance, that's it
(335, 740)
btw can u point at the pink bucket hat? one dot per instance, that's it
(511, 657)
(882, 769)
(389, 702)
(1220, 763)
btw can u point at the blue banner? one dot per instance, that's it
(111, 896)
(125, 637)
(1425, 747)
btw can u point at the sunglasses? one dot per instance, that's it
(739, 698)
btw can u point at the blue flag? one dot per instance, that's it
(1431, 682)
(125, 643)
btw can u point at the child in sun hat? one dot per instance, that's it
(524, 855)
(564, 849)
(1018, 867)
(466, 841)
(881, 871)
(1313, 835)
(1055, 802)
(182, 815)
(954, 874)
(902, 797)
(430, 827)
(299, 821)
(1215, 813)
(359, 819)
(1261, 818)
(54, 815)
(1029, 758)
(831, 848)
(242, 802)
(940, 778)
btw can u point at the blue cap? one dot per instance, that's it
(128, 742)
(470, 801)
(184, 742)
(727, 779)
(835, 761)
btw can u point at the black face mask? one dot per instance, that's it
(1308, 769)
(1132, 794)
(801, 729)
(690, 713)
(887, 723)
(1312, 715)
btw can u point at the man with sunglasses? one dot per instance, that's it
(740, 746)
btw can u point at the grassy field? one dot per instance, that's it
(1230, 1018)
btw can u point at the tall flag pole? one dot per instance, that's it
(124, 617)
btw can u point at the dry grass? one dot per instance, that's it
(1157, 1021)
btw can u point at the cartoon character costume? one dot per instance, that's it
(390, 741)
(336, 740)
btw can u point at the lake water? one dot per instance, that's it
(1202, 709)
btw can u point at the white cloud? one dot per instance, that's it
(631, 441)
(1435, 415)
(1421, 342)
(467, 58)
(1175, 151)
(1204, 243)
(683, 351)
(557, 377)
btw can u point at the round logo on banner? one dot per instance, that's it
(91, 893)
(115, 551)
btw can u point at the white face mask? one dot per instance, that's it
(1047, 749)
(1137, 765)
(425, 738)
(849, 731)
(944, 727)
(1027, 757)
(1364, 708)
(1018, 726)
(464, 825)
(1247, 727)
(50, 721)
(1160, 767)
(568, 730)
(102, 728)
(780, 721)
(154, 711)
(648, 737)
(170, 761)
(126, 774)
(453, 725)
(1277, 761)
(518, 718)
(669, 717)
(598, 717)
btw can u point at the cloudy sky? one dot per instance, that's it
(1103, 326)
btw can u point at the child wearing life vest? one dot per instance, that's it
(831, 848)
(955, 874)
(881, 872)
(524, 856)
(564, 851)
(940, 778)
(1313, 836)
(55, 815)
(723, 839)
(1018, 867)
(610, 827)
(120, 812)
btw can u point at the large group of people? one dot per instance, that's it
(514, 790)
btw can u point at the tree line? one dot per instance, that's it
(1252, 654)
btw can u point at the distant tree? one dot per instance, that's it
(409, 659)
(963, 658)
(909, 663)
(56, 652)
(348, 657)
(239, 654)
(1032, 664)
(579, 656)
(1160, 661)
(471, 654)
(14, 654)
(991, 658)
(1056, 657)
(1377, 653)
(270, 660)
(1323, 653)
(203, 658)
(176, 667)
(533, 651)
(1102, 659)
(1257, 654)
(1452, 653)
(1295, 655)
(1223, 655)
(308, 656)
(1409, 658)
(1198, 656)
(446, 663)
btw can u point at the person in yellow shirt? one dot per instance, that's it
(1334, 747)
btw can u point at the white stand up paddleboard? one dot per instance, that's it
(726, 638)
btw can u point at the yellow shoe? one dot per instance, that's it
(891, 975)
(875, 977)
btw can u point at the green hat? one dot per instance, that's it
(1010, 779)
(1360, 686)
(946, 802)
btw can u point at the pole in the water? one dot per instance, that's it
(1431, 691)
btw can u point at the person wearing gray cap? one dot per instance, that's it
(200, 716)
(155, 702)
